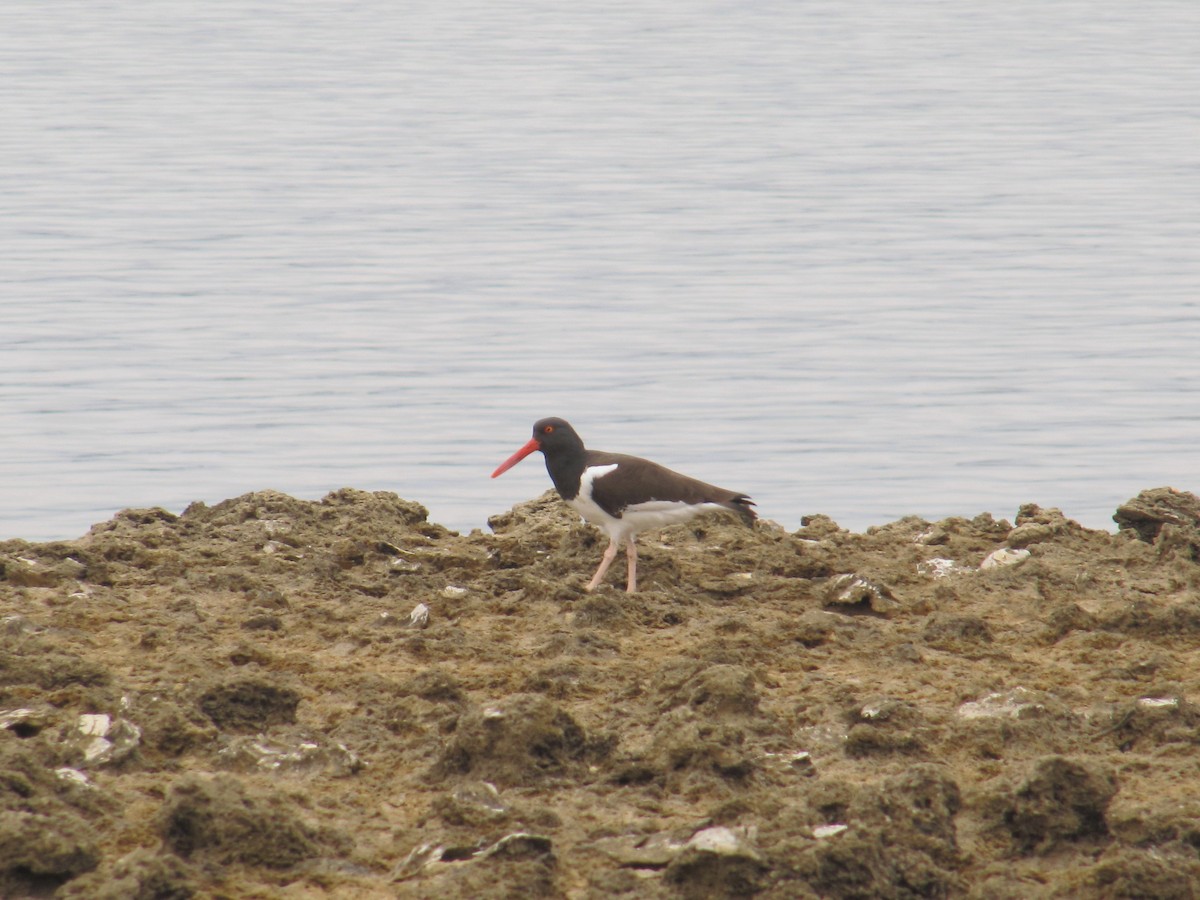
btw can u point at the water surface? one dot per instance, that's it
(867, 261)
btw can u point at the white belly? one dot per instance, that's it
(661, 513)
(633, 519)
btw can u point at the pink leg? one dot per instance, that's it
(631, 555)
(609, 555)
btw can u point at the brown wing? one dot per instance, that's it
(637, 480)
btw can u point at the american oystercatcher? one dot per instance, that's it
(622, 494)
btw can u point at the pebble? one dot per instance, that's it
(802, 762)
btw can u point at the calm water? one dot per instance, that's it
(864, 259)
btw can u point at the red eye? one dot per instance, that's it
(548, 429)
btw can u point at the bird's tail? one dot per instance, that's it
(743, 506)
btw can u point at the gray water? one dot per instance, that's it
(866, 260)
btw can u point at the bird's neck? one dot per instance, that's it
(566, 471)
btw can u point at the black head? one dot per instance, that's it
(553, 436)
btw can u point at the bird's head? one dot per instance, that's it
(550, 435)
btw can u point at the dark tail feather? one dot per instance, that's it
(744, 507)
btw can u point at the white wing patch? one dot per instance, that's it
(587, 507)
(591, 473)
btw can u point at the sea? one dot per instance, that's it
(866, 260)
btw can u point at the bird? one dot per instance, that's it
(624, 495)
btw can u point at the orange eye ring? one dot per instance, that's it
(548, 429)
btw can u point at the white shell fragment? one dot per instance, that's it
(482, 796)
(25, 720)
(94, 725)
(639, 851)
(419, 617)
(418, 858)
(1005, 556)
(1158, 702)
(435, 856)
(1014, 704)
(66, 773)
(940, 567)
(293, 755)
(717, 839)
(797, 762)
(827, 831)
(95, 740)
(101, 739)
(852, 589)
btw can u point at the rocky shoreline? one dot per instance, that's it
(272, 697)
